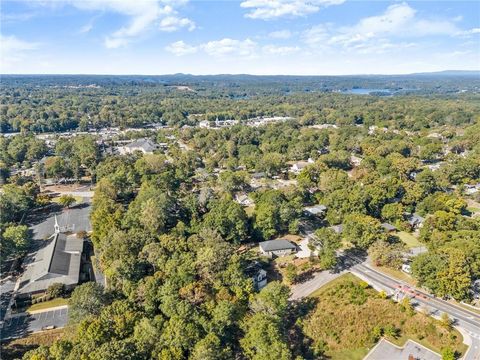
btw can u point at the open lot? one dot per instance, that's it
(350, 336)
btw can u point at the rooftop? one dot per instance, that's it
(278, 244)
(316, 209)
(58, 262)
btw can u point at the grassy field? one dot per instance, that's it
(48, 304)
(350, 336)
(409, 239)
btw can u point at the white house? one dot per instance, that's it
(243, 199)
(297, 167)
(145, 146)
(257, 274)
(317, 210)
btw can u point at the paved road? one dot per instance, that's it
(21, 325)
(316, 282)
(465, 319)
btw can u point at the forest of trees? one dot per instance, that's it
(170, 236)
(49, 104)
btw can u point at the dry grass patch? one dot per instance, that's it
(349, 318)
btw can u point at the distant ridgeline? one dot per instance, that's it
(51, 103)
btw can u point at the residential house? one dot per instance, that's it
(472, 189)
(389, 227)
(415, 220)
(337, 228)
(243, 199)
(297, 167)
(278, 247)
(355, 160)
(316, 210)
(145, 146)
(257, 274)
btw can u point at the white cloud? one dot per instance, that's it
(13, 50)
(86, 28)
(398, 20)
(142, 14)
(379, 33)
(316, 35)
(230, 48)
(174, 23)
(467, 33)
(280, 50)
(224, 47)
(180, 48)
(271, 9)
(281, 34)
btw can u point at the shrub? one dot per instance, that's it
(56, 290)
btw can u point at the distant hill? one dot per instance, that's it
(474, 73)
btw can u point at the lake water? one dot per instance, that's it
(365, 91)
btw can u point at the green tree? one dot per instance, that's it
(448, 354)
(66, 200)
(384, 253)
(87, 300)
(14, 240)
(56, 290)
(291, 273)
(229, 219)
(272, 299)
(446, 321)
(263, 339)
(362, 230)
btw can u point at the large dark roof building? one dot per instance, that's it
(58, 262)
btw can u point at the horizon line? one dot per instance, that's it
(244, 74)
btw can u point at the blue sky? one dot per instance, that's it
(247, 36)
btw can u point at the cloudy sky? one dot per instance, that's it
(247, 36)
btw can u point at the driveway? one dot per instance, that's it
(304, 251)
(316, 282)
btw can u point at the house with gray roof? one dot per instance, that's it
(388, 227)
(316, 210)
(337, 228)
(415, 220)
(278, 247)
(145, 146)
(58, 262)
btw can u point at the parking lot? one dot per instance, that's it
(386, 350)
(23, 324)
(75, 219)
(6, 292)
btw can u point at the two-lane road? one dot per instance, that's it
(463, 318)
